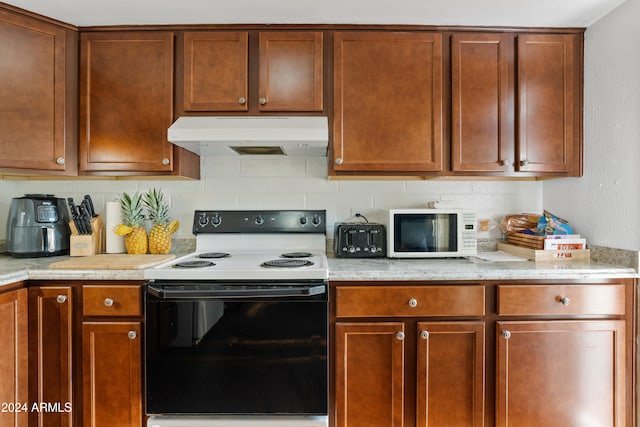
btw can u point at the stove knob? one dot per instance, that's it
(373, 249)
(203, 220)
(216, 220)
(303, 220)
(259, 220)
(315, 220)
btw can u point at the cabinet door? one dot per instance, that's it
(33, 101)
(450, 374)
(126, 101)
(561, 373)
(369, 374)
(112, 374)
(387, 102)
(291, 71)
(482, 102)
(50, 343)
(13, 358)
(549, 102)
(216, 71)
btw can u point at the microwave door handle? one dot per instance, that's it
(302, 291)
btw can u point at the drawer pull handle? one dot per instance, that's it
(61, 299)
(108, 302)
(132, 335)
(424, 335)
(506, 334)
(565, 301)
(413, 302)
(400, 336)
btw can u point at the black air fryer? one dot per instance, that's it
(38, 226)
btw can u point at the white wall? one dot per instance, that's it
(604, 205)
(7, 190)
(295, 184)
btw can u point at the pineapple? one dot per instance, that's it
(162, 229)
(135, 236)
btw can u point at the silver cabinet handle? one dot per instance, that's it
(262, 101)
(524, 162)
(413, 302)
(61, 299)
(400, 336)
(424, 335)
(132, 335)
(506, 334)
(108, 302)
(339, 161)
(565, 300)
(60, 160)
(242, 100)
(165, 162)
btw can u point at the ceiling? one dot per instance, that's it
(517, 13)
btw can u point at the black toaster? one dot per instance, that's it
(359, 240)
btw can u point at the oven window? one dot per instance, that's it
(425, 232)
(236, 357)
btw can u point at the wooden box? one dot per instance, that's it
(539, 255)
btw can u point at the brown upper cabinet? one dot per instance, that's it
(126, 105)
(388, 102)
(482, 103)
(218, 71)
(38, 96)
(549, 103)
(535, 89)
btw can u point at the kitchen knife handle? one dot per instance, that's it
(92, 209)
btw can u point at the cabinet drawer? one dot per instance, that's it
(556, 300)
(111, 300)
(384, 301)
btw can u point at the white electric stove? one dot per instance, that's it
(236, 333)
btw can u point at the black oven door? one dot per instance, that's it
(236, 348)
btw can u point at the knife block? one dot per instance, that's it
(87, 244)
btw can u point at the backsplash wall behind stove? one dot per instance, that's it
(293, 183)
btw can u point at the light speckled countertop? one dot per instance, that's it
(470, 269)
(17, 269)
(14, 270)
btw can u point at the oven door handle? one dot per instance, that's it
(298, 291)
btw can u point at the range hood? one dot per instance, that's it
(252, 135)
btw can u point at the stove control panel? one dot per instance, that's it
(283, 221)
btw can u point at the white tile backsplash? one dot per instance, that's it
(296, 183)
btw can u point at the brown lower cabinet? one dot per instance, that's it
(414, 371)
(84, 354)
(112, 374)
(542, 354)
(112, 355)
(561, 373)
(13, 358)
(51, 341)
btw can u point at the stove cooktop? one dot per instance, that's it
(294, 265)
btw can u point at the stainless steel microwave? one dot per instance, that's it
(431, 233)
